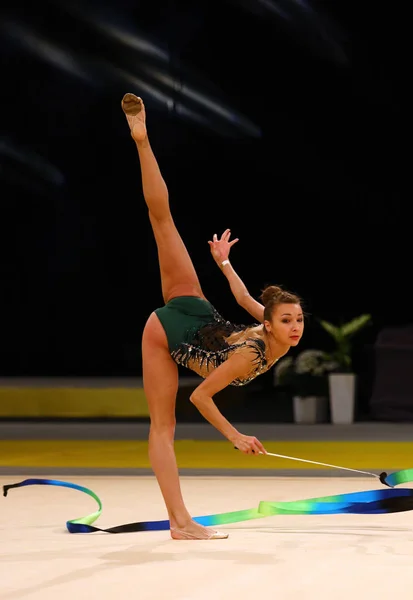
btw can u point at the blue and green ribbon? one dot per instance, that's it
(379, 501)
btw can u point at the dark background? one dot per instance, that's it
(282, 120)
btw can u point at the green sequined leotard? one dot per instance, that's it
(197, 336)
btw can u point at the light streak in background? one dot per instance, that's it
(177, 94)
(130, 39)
(213, 106)
(45, 50)
(36, 166)
(178, 91)
(165, 100)
(315, 29)
(272, 7)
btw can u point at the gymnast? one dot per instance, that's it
(189, 331)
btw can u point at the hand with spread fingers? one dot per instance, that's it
(220, 248)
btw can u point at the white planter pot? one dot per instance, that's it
(310, 409)
(342, 397)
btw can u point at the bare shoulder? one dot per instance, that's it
(250, 332)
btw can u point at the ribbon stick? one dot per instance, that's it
(368, 502)
(382, 476)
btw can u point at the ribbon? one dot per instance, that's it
(369, 502)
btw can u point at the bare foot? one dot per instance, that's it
(195, 531)
(134, 109)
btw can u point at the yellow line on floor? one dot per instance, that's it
(204, 454)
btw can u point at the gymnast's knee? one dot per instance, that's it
(162, 428)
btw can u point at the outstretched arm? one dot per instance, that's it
(237, 365)
(220, 249)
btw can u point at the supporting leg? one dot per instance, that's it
(160, 377)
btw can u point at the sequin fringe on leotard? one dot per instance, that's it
(207, 349)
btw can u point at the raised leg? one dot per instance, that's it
(178, 275)
(160, 379)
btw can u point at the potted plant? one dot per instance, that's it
(306, 376)
(342, 379)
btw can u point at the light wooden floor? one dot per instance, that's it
(339, 557)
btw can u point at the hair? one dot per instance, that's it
(273, 295)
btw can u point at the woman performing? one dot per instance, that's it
(188, 331)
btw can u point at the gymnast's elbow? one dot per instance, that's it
(199, 399)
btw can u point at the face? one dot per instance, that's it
(287, 324)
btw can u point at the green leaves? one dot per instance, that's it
(353, 326)
(342, 335)
(339, 333)
(331, 329)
